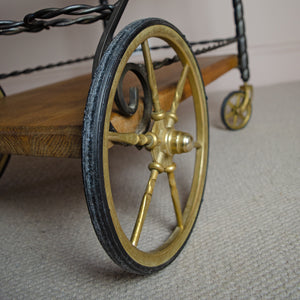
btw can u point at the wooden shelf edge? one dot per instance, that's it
(65, 140)
(42, 141)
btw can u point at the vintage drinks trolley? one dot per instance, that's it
(139, 110)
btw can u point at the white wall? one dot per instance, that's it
(272, 30)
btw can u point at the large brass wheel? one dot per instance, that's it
(161, 139)
(4, 158)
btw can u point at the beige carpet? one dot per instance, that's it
(246, 243)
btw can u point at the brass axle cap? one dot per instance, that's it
(173, 142)
(178, 142)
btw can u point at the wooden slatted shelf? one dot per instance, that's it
(47, 121)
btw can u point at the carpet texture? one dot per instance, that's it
(245, 245)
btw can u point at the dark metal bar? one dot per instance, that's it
(108, 33)
(50, 17)
(103, 2)
(242, 41)
(45, 67)
(211, 45)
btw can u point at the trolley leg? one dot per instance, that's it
(236, 109)
(242, 40)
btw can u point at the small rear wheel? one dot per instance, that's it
(160, 139)
(236, 109)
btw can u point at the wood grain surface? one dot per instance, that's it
(47, 121)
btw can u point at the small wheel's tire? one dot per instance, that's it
(4, 158)
(96, 139)
(233, 117)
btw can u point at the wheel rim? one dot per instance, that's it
(186, 221)
(236, 116)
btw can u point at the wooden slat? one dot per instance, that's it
(47, 121)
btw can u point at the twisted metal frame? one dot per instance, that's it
(110, 15)
(46, 18)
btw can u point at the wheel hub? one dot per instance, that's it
(178, 142)
(169, 142)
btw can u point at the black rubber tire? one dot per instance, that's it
(92, 148)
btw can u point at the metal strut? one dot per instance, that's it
(241, 39)
(109, 29)
(103, 2)
(211, 45)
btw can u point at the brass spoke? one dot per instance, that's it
(130, 138)
(151, 76)
(175, 198)
(172, 118)
(229, 115)
(235, 119)
(242, 116)
(197, 145)
(231, 104)
(143, 208)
